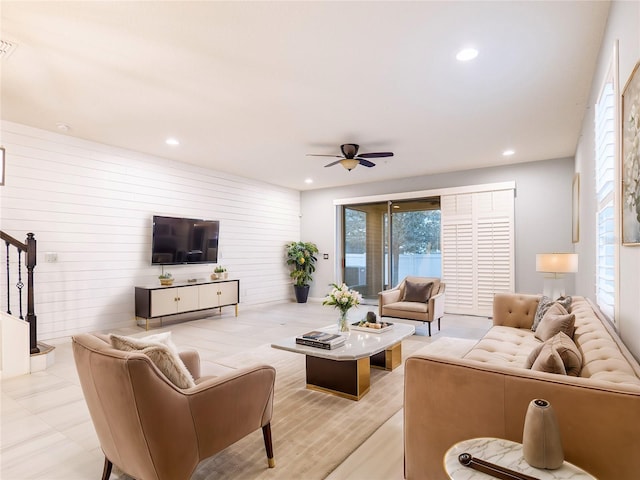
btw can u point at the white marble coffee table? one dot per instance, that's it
(345, 371)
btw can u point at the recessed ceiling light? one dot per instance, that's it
(172, 141)
(308, 180)
(63, 127)
(467, 54)
(508, 153)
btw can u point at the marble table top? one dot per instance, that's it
(506, 454)
(358, 344)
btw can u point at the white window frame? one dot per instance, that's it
(606, 170)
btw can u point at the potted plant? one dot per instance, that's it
(301, 256)
(220, 271)
(166, 278)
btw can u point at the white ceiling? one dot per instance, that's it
(250, 87)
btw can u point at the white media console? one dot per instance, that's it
(161, 301)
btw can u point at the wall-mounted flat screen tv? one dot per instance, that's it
(184, 241)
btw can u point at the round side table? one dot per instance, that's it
(506, 454)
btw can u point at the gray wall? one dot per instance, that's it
(542, 214)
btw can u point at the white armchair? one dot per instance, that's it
(415, 298)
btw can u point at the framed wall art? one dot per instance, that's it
(630, 159)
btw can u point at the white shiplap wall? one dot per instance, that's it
(92, 204)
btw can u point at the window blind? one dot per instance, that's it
(477, 249)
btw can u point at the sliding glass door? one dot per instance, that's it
(386, 241)
(364, 244)
(414, 239)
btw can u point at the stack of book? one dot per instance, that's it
(319, 339)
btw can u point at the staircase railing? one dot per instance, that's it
(29, 250)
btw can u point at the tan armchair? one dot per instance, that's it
(413, 299)
(153, 430)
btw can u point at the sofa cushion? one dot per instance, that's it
(549, 360)
(544, 304)
(505, 346)
(417, 292)
(555, 320)
(161, 352)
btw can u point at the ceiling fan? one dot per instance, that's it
(350, 158)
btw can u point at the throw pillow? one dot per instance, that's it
(417, 292)
(163, 356)
(544, 304)
(569, 353)
(565, 348)
(555, 320)
(533, 355)
(549, 361)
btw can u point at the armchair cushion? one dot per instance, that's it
(167, 360)
(417, 292)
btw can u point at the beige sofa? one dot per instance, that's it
(486, 393)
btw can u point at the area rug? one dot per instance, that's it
(313, 432)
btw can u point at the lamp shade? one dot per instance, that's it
(557, 262)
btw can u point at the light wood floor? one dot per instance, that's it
(46, 432)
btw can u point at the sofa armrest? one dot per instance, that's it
(226, 408)
(191, 360)
(388, 296)
(436, 305)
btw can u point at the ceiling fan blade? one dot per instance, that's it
(366, 163)
(334, 163)
(376, 155)
(322, 155)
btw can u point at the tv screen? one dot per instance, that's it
(184, 240)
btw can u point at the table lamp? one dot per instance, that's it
(555, 266)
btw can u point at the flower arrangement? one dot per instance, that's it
(302, 257)
(219, 269)
(343, 299)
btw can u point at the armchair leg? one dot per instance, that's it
(438, 324)
(268, 445)
(429, 324)
(106, 471)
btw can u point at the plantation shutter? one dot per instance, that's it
(477, 249)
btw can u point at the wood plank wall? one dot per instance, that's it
(92, 205)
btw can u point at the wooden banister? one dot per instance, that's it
(30, 250)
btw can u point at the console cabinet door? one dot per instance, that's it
(208, 295)
(164, 302)
(218, 294)
(188, 299)
(168, 301)
(228, 293)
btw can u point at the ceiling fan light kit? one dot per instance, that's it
(350, 158)
(349, 163)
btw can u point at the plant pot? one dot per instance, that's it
(302, 293)
(166, 281)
